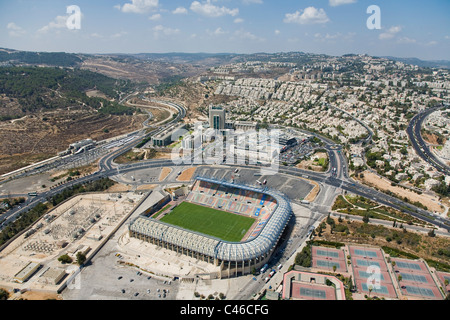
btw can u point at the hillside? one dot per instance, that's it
(43, 110)
(57, 59)
(37, 89)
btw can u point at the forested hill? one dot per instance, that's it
(57, 59)
(37, 89)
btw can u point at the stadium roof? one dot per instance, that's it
(216, 248)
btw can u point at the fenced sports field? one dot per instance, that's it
(219, 224)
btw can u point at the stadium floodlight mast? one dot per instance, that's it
(212, 147)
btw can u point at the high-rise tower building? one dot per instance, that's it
(217, 117)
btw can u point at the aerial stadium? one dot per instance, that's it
(232, 226)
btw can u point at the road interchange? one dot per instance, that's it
(336, 177)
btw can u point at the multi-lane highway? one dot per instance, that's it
(336, 177)
(106, 168)
(420, 146)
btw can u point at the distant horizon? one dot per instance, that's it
(402, 28)
(231, 53)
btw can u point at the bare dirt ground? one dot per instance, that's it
(139, 70)
(118, 187)
(431, 202)
(164, 173)
(314, 192)
(187, 175)
(432, 139)
(36, 138)
(146, 187)
(311, 165)
(36, 295)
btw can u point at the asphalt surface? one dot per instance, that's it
(420, 146)
(337, 177)
(332, 183)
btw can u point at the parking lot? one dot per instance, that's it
(296, 189)
(108, 279)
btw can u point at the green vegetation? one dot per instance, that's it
(304, 258)
(168, 84)
(440, 266)
(144, 142)
(65, 259)
(95, 186)
(368, 209)
(443, 189)
(22, 223)
(57, 59)
(81, 258)
(396, 253)
(4, 295)
(409, 239)
(10, 203)
(52, 88)
(223, 225)
(331, 244)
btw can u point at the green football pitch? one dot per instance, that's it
(219, 224)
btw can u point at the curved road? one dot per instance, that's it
(420, 146)
(339, 179)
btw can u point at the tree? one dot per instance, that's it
(366, 219)
(431, 233)
(65, 259)
(81, 258)
(304, 258)
(4, 295)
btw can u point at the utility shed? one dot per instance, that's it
(26, 272)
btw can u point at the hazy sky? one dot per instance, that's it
(409, 28)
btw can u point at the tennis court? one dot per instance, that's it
(371, 272)
(327, 258)
(370, 253)
(305, 291)
(300, 285)
(443, 276)
(404, 265)
(415, 279)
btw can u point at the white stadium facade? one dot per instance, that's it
(233, 258)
